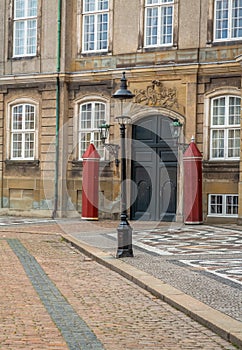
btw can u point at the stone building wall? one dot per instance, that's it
(175, 81)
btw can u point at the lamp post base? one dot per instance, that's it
(124, 240)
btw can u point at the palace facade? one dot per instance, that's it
(60, 63)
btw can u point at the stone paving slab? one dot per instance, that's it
(120, 314)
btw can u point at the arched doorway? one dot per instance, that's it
(153, 170)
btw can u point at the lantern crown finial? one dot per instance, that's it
(123, 93)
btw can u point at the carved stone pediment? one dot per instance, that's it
(157, 95)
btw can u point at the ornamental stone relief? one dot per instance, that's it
(157, 95)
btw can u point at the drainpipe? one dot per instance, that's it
(58, 54)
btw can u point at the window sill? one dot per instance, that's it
(105, 169)
(158, 48)
(225, 42)
(79, 163)
(18, 58)
(218, 164)
(222, 216)
(22, 163)
(94, 53)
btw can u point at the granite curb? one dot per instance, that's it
(221, 324)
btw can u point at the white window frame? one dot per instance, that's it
(228, 22)
(223, 205)
(161, 6)
(96, 13)
(28, 23)
(224, 129)
(90, 133)
(23, 131)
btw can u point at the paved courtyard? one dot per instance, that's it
(54, 297)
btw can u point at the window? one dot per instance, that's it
(25, 28)
(95, 25)
(159, 22)
(225, 128)
(228, 20)
(223, 205)
(91, 115)
(23, 130)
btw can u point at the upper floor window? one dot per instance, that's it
(25, 28)
(23, 131)
(91, 115)
(159, 16)
(95, 25)
(225, 128)
(228, 20)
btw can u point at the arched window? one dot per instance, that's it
(23, 132)
(91, 114)
(225, 128)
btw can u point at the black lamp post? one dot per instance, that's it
(124, 229)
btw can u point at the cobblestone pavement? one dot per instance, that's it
(203, 261)
(204, 240)
(53, 297)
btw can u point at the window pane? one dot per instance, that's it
(102, 5)
(29, 117)
(99, 114)
(32, 8)
(19, 7)
(89, 5)
(234, 111)
(216, 204)
(166, 25)
(232, 205)
(217, 148)
(29, 145)
(31, 37)
(102, 32)
(17, 118)
(89, 28)
(218, 112)
(84, 142)
(221, 16)
(152, 26)
(236, 19)
(150, 2)
(16, 145)
(86, 115)
(19, 35)
(233, 143)
(98, 143)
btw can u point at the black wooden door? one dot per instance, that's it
(154, 170)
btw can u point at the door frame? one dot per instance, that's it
(142, 112)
